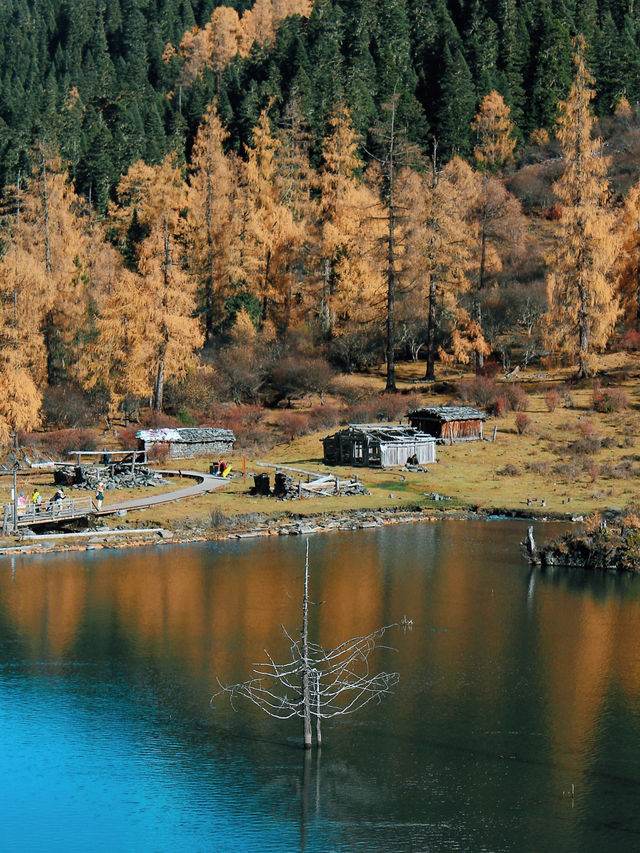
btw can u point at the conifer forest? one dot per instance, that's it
(208, 204)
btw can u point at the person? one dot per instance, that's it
(36, 500)
(59, 496)
(22, 503)
(99, 495)
(221, 467)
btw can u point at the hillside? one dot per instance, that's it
(111, 83)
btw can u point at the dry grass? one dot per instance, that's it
(473, 474)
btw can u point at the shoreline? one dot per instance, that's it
(287, 524)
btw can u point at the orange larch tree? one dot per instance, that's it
(172, 332)
(628, 265)
(212, 222)
(448, 237)
(495, 132)
(583, 303)
(271, 235)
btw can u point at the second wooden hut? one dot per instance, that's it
(378, 445)
(449, 423)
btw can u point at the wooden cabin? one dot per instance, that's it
(187, 441)
(378, 445)
(449, 423)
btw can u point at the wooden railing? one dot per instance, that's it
(46, 513)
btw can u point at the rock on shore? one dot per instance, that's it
(615, 548)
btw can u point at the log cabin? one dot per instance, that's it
(378, 446)
(449, 423)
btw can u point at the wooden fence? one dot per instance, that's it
(47, 513)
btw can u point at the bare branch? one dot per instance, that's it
(338, 681)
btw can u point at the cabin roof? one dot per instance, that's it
(186, 435)
(386, 433)
(450, 413)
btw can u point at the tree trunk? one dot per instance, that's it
(45, 200)
(391, 271)
(265, 299)
(208, 295)
(391, 301)
(483, 263)
(430, 372)
(479, 354)
(431, 355)
(583, 330)
(158, 393)
(316, 682)
(306, 687)
(325, 309)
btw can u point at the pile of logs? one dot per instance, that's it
(317, 485)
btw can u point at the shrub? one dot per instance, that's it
(587, 428)
(552, 399)
(348, 391)
(631, 519)
(517, 397)
(61, 442)
(390, 407)
(245, 423)
(295, 375)
(593, 470)
(523, 423)
(363, 412)
(127, 438)
(593, 523)
(293, 425)
(631, 341)
(193, 399)
(542, 468)
(509, 470)
(238, 374)
(65, 407)
(499, 407)
(490, 368)
(585, 445)
(324, 416)
(218, 519)
(481, 391)
(159, 452)
(568, 471)
(356, 350)
(495, 398)
(609, 400)
(161, 420)
(565, 397)
(185, 417)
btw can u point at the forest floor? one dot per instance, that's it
(569, 462)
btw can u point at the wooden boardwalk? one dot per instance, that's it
(62, 512)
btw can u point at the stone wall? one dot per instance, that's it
(186, 450)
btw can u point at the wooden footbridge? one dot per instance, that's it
(59, 513)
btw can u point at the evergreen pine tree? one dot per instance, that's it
(457, 104)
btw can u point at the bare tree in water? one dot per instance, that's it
(315, 684)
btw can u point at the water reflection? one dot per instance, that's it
(514, 685)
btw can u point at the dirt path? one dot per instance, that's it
(206, 483)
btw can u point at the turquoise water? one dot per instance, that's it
(514, 686)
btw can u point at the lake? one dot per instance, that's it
(515, 725)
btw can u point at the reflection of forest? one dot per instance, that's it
(216, 610)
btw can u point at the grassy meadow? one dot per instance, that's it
(557, 455)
